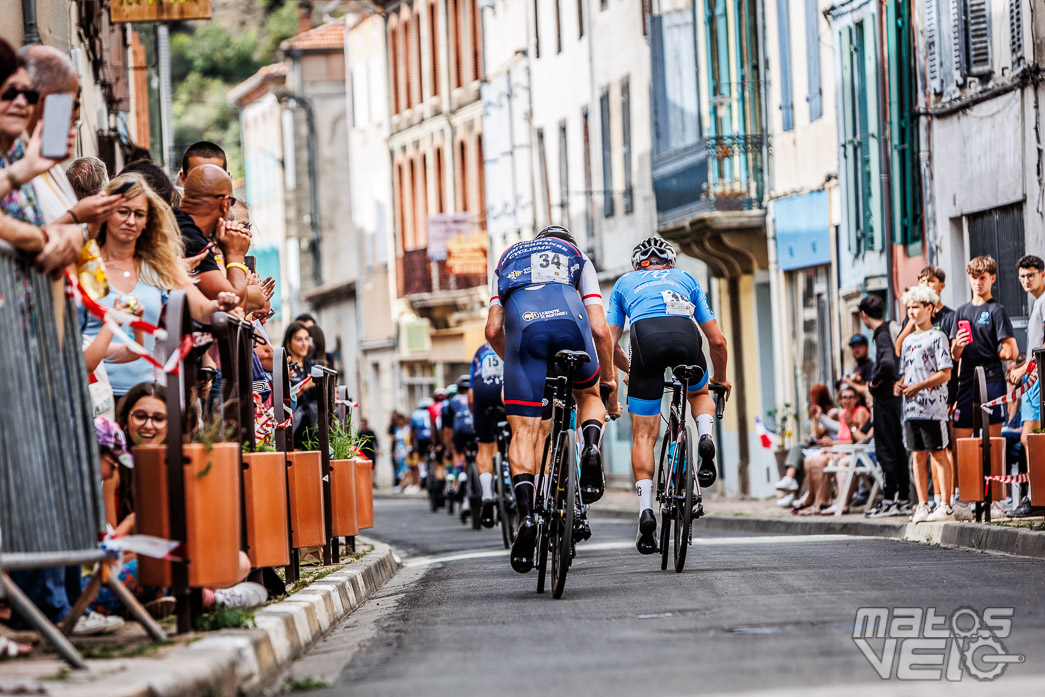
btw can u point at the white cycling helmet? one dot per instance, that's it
(649, 248)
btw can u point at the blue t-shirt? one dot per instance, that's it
(487, 371)
(657, 293)
(124, 376)
(421, 424)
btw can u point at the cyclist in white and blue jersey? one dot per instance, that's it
(664, 305)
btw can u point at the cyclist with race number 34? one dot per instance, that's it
(664, 305)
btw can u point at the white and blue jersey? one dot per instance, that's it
(657, 293)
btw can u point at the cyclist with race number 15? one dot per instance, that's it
(664, 305)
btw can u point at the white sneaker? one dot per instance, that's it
(786, 500)
(94, 623)
(921, 513)
(246, 595)
(786, 483)
(942, 512)
(960, 511)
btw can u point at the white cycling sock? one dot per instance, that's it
(704, 424)
(644, 488)
(486, 482)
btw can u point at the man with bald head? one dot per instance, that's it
(51, 72)
(205, 206)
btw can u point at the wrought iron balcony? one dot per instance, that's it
(418, 274)
(715, 174)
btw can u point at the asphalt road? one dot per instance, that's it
(751, 614)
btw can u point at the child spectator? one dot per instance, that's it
(1031, 270)
(925, 367)
(981, 336)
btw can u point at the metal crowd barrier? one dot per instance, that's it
(51, 509)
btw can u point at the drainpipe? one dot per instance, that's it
(884, 146)
(30, 28)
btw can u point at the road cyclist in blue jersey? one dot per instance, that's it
(546, 299)
(486, 377)
(665, 305)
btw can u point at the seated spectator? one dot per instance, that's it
(852, 428)
(823, 428)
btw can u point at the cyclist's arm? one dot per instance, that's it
(600, 333)
(718, 350)
(620, 359)
(495, 329)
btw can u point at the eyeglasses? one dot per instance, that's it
(125, 213)
(230, 197)
(1028, 276)
(140, 417)
(11, 93)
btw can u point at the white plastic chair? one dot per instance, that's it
(859, 462)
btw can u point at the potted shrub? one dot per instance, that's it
(305, 482)
(1036, 466)
(343, 495)
(970, 468)
(364, 490)
(265, 496)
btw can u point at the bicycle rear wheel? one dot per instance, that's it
(504, 509)
(664, 495)
(561, 520)
(475, 496)
(684, 497)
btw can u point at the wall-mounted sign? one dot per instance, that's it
(157, 10)
(467, 254)
(442, 227)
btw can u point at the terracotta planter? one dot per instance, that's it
(365, 492)
(212, 513)
(970, 468)
(150, 504)
(344, 513)
(306, 498)
(265, 493)
(1036, 467)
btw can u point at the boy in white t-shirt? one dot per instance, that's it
(925, 364)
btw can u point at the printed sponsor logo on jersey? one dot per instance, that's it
(518, 272)
(544, 314)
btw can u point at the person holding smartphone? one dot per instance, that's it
(981, 336)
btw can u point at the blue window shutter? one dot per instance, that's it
(787, 105)
(816, 92)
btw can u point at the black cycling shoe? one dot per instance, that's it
(486, 517)
(524, 546)
(707, 474)
(593, 479)
(646, 541)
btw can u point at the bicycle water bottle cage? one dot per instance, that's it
(691, 374)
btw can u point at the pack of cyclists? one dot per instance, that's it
(545, 299)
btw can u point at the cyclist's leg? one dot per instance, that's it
(591, 412)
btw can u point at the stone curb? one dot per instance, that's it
(968, 535)
(246, 662)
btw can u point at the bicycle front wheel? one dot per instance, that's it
(684, 497)
(562, 517)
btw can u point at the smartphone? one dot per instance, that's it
(124, 188)
(251, 262)
(58, 116)
(965, 326)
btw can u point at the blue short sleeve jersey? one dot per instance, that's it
(657, 293)
(541, 261)
(457, 416)
(421, 424)
(487, 371)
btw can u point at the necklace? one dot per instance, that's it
(126, 273)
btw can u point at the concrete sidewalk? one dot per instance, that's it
(1022, 537)
(223, 663)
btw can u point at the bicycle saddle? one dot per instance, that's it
(573, 356)
(689, 373)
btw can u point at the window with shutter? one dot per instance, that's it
(607, 155)
(1016, 32)
(787, 105)
(978, 37)
(815, 98)
(932, 45)
(625, 108)
(957, 10)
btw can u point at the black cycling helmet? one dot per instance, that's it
(653, 246)
(558, 232)
(464, 383)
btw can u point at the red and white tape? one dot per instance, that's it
(1032, 377)
(1009, 478)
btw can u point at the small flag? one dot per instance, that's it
(768, 439)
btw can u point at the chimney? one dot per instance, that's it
(304, 16)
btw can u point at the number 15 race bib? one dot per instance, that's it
(549, 267)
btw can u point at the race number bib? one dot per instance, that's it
(675, 304)
(549, 267)
(492, 370)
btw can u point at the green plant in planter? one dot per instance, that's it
(258, 447)
(213, 430)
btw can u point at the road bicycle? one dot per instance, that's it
(433, 484)
(502, 475)
(678, 491)
(471, 489)
(558, 510)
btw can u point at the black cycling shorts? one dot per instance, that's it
(659, 343)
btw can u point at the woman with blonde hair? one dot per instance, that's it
(144, 260)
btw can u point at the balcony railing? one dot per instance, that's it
(718, 173)
(419, 274)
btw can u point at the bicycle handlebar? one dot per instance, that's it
(604, 392)
(720, 398)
